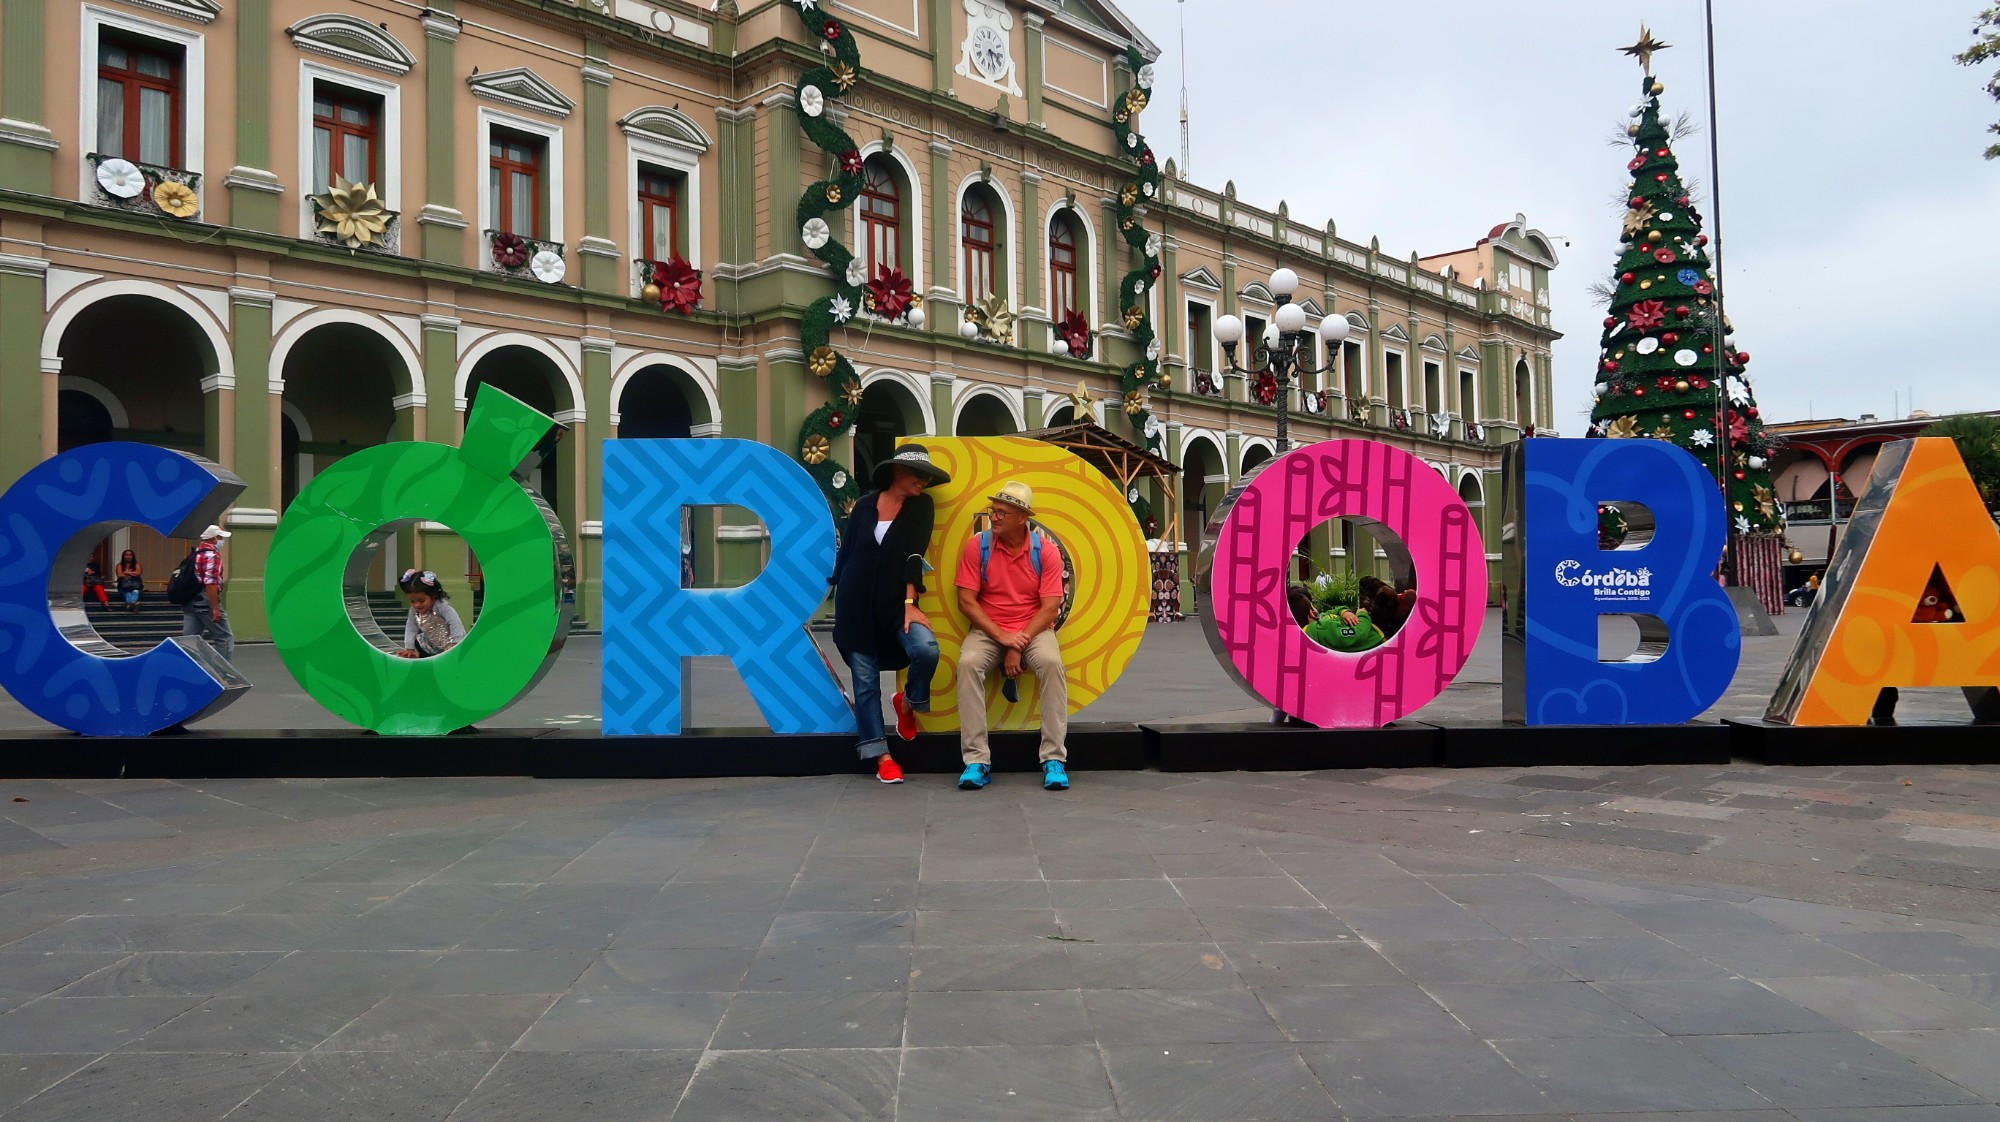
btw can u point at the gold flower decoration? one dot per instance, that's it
(821, 361)
(1765, 504)
(1135, 403)
(1134, 316)
(1135, 100)
(1661, 432)
(1637, 217)
(177, 199)
(833, 194)
(1623, 428)
(817, 449)
(1121, 116)
(993, 319)
(1128, 194)
(852, 394)
(844, 76)
(352, 212)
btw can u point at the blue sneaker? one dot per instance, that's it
(974, 777)
(1055, 777)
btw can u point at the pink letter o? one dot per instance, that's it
(1251, 629)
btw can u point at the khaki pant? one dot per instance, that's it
(979, 657)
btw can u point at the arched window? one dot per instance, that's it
(881, 215)
(978, 228)
(1064, 243)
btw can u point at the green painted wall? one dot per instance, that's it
(24, 165)
(250, 545)
(20, 359)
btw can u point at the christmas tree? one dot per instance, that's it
(1669, 368)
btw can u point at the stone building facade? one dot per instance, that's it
(219, 317)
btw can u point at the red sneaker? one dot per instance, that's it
(888, 770)
(906, 717)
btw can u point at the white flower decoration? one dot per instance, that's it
(1149, 189)
(1704, 438)
(121, 179)
(1139, 287)
(1647, 345)
(1154, 243)
(1153, 351)
(839, 480)
(857, 272)
(808, 5)
(1145, 77)
(1742, 524)
(1132, 496)
(841, 309)
(811, 101)
(1131, 140)
(1685, 357)
(816, 233)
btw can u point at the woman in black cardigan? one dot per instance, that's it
(877, 576)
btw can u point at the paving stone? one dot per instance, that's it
(983, 895)
(1132, 925)
(171, 973)
(985, 927)
(503, 972)
(599, 1086)
(1761, 954)
(1030, 1084)
(1827, 1070)
(85, 1024)
(1969, 1058)
(1921, 952)
(367, 1085)
(1276, 925)
(265, 1023)
(1441, 921)
(1009, 967)
(1150, 966)
(1472, 960)
(625, 1022)
(1623, 959)
(1626, 1074)
(1713, 1007)
(28, 974)
(998, 1017)
(441, 1023)
(1538, 1009)
(1162, 1016)
(1307, 963)
(1420, 1078)
(157, 1085)
(856, 1019)
(1891, 1001)
(1634, 837)
(1098, 894)
(816, 968)
(1930, 872)
(22, 1077)
(1214, 1081)
(1400, 1012)
(337, 972)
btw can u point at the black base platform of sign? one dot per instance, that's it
(1215, 747)
(544, 753)
(1582, 745)
(1914, 743)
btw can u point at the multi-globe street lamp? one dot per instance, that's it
(1281, 346)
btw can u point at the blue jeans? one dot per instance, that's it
(922, 648)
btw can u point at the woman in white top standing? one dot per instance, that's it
(433, 626)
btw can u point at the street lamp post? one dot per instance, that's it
(1281, 346)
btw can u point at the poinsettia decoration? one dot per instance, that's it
(510, 251)
(1266, 388)
(680, 285)
(890, 293)
(1646, 314)
(1075, 331)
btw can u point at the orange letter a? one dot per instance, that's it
(1920, 514)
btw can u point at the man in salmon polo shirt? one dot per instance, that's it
(1010, 586)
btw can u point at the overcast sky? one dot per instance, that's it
(1859, 220)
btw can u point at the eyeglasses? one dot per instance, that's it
(1000, 512)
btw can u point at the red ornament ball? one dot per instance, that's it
(1637, 201)
(1680, 309)
(1670, 338)
(1638, 391)
(1707, 349)
(1701, 239)
(1739, 475)
(1660, 178)
(1687, 414)
(1627, 278)
(1742, 358)
(1660, 152)
(1610, 320)
(1752, 411)
(1609, 366)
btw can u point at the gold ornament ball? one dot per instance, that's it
(1631, 130)
(1659, 87)
(1654, 235)
(650, 293)
(1682, 385)
(1645, 284)
(1797, 556)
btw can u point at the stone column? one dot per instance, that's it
(1031, 79)
(23, 396)
(248, 412)
(781, 167)
(939, 283)
(737, 385)
(441, 222)
(444, 418)
(941, 404)
(589, 543)
(27, 147)
(253, 188)
(597, 249)
(1032, 409)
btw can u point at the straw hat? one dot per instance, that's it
(1017, 495)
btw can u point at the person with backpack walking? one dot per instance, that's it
(1010, 580)
(197, 587)
(877, 577)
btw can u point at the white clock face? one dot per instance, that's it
(988, 49)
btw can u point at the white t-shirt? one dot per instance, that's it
(881, 530)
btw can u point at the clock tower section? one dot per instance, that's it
(987, 53)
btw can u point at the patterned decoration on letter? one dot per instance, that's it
(51, 658)
(649, 627)
(1110, 572)
(1260, 523)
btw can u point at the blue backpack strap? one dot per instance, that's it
(1034, 551)
(985, 551)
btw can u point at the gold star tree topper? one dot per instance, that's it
(1085, 404)
(1644, 48)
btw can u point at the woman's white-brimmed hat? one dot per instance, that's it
(917, 459)
(1016, 494)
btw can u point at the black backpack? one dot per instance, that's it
(183, 586)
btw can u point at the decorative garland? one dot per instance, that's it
(819, 87)
(1134, 308)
